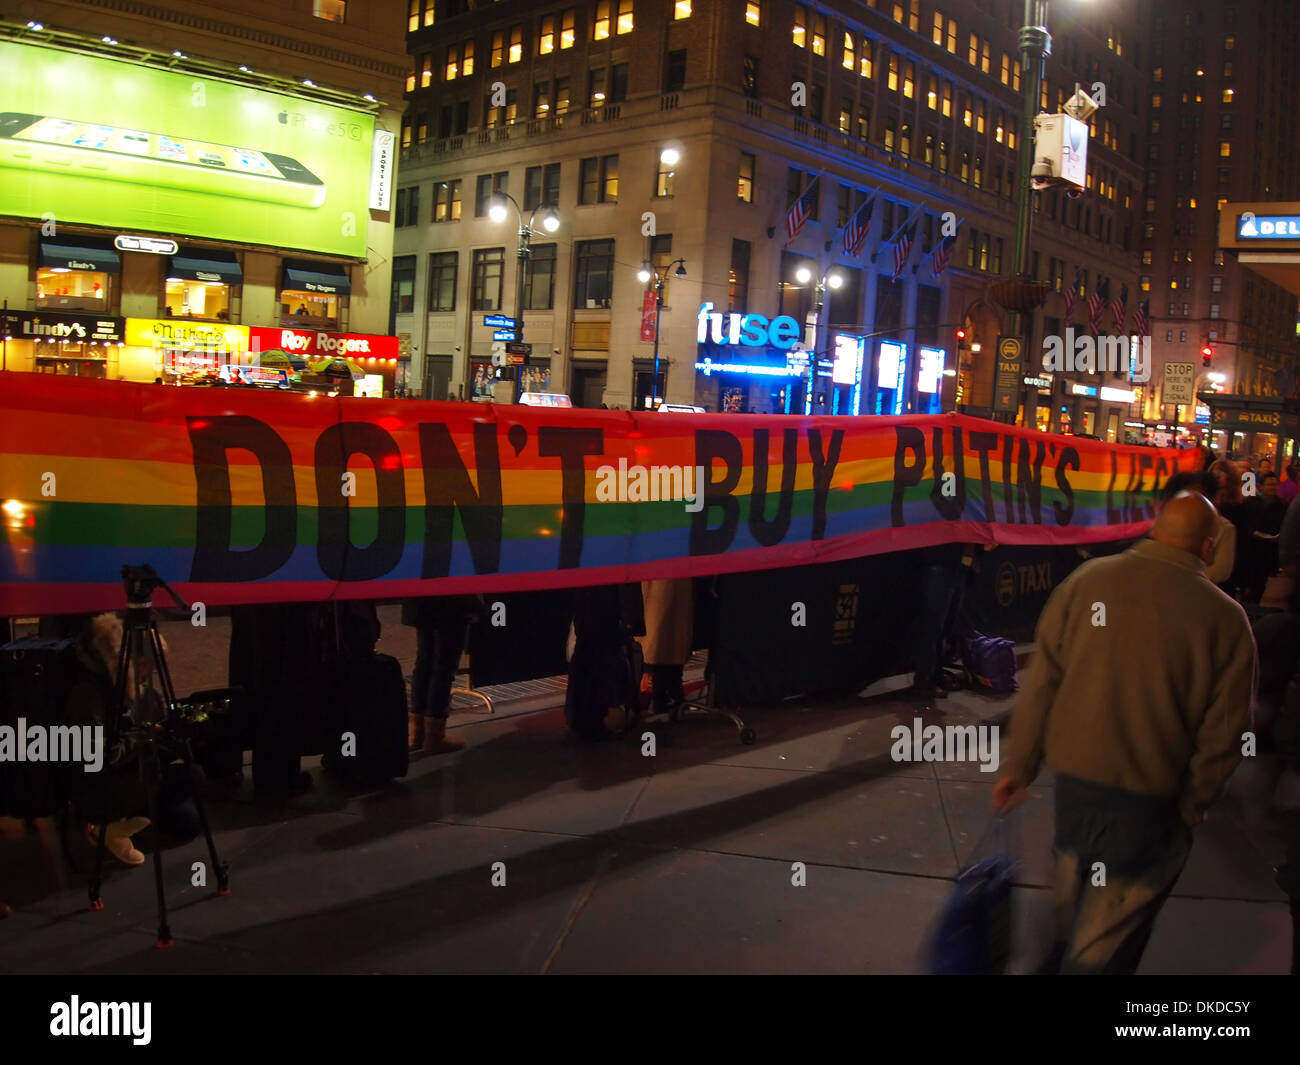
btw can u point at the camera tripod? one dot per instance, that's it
(160, 741)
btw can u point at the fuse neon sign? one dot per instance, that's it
(750, 330)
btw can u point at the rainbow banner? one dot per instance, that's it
(238, 495)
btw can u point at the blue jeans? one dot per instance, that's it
(940, 596)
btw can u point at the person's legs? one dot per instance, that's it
(424, 641)
(1119, 856)
(448, 644)
(934, 599)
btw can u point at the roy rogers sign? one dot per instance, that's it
(311, 343)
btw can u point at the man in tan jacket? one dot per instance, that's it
(1137, 698)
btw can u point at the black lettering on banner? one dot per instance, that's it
(982, 444)
(950, 507)
(340, 559)
(771, 533)
(1069, 460)
(1029, 481)
(1113, 516)
(711, 445)
(447, 487)
(907, 439)
(214, 560)
(571, 446)
(1148, 509)
(1008, 456)
(1162, 472)
(823, 471)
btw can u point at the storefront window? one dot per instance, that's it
(62, 289)
(197, 299)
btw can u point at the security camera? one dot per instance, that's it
(1073, 192)
(1041, 175)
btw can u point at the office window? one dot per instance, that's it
(745, 183)
(504, 114)
(846, 117)
(979, 117)
(914, 15)
(738, 276)
(516, 52)
(406, 132)
(892, 80)
(562, 95)
(936, 35)
(751, 76)
(546, 36)
(443, 268)
(891, 135)
(966, 114)
(1216, 284)
(487, 186)
(539, 280)
(800, 31)
(850, 52)
(867, 59)
(661, 256)
(599, 180)
(566, 29)
(909, 80)
(1146, 258)
(1144, 283)
(594, 273)
(681, 10)
(675, 71)
(541, 186)
(330, 10)
(942, 161)
(816, 109)
(446, 201)
(1214, 310)
(426, 71)
(489, 264)
(819, 35)
(404, 284)
(753, 14)
(1225, 149)
(972, 247)
(408, 207)
(793, 186)
(601, 25)
(905, 141)
(596, 87)
(973, 53)
(618, 83)
(664, 179)
(1006, 69)
(498, 48)
(542, 99)
(979, 171)
(947, 99)
(984, 57)
(413, 16)
(843, 209)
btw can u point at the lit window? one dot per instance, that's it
(413, 16)
(893, 73)
(546, 39)
(1225, 149)
(410, 78)
(867, 62)
(947, 99)
(498, 48)
(331, 10)
(966, 116)
(1228, 94)
(973, 55)
(745, 185)
(819, 35)
(452, 69)
(909, 80)
(1006, 69)
(952, 36)
(467, 59)
(932, 97)
(800, 26)
(426, 72)
(1158, 74)
(1229, 43)
(937, 34)
(681, 10)
(566, 29)
(600, 28)
(516, 44)
(752, 14)
(624, 17)
(428, 12)
(850, 55)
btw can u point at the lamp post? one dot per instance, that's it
(649, 275)
(550, 222)
(833, 280)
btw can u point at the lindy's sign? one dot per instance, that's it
(751, 330)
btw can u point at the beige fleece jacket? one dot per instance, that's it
(1143, 680)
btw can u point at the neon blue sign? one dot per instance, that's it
(751, 330)
(708, 367)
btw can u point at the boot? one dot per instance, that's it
(414, 732)
(118, 840)
(436, 740)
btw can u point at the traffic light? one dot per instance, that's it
(961, 335)
(1207, 353)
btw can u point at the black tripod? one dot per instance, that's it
(167, 736)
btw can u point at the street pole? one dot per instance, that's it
(1035, 47)
(659, 306)
(524, 253)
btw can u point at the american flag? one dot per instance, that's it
(1119, 309)
(941, 254)
(1141, 324)
(800, 211)
(1096, 304)
(903, 250)
(855, 233)
(1071, 296)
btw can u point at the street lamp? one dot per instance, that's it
(549, 219)
(647, 275)
(833, 280)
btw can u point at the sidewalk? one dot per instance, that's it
(617, 862)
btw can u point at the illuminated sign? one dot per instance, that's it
(850, 353)
(751, 330)
(176, 334)
(310, 343)
(1268, 226)
(1083, 390)
(931, 370)
(892, 357)
(253, 375)
(709, 367)
(151, 245)
(1117, 395)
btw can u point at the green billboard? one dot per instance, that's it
(130, 147)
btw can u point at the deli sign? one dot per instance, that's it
(312, 343)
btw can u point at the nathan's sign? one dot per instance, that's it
(176, 334)
(253, 496)
(311, 343)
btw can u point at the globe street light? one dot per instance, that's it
(646, 275)
(833, 280)
(548, 217)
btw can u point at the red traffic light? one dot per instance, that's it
(961, 334)
(1207, 351)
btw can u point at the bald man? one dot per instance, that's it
(1136, 697)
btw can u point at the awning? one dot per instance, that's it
(80, 254)
(205, 265)
(316, 277)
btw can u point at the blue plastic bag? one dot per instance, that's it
(973, 933)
